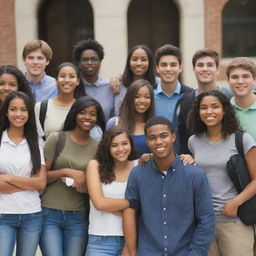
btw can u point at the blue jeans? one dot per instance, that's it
(22, 229)
(64, 233)
(104, 245)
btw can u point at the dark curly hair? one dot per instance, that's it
(88, 44)
(229, 121)
(23, 84)
(127, 77)
(79, 91)
(103, 156)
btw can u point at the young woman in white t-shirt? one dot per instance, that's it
(106, 180)
(22, 175)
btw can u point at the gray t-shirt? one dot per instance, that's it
(213, 157)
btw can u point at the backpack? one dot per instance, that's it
(42, 114)
(239, 175)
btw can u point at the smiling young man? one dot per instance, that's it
(173, 201)
(169, 89)
(241, 73)
(89, 54)
(36, 56)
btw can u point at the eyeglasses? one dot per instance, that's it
(92, 60)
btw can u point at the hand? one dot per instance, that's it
(115, 84)
(125, 252)
(5, 177)
(144, 158)
(230, 208)
(118, 213)
(77, 175)
(187, 159)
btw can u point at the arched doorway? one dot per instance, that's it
(238, 25)
(62, 23)
(153, 23)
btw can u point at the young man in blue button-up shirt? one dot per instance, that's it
(173, 201)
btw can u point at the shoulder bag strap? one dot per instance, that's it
(42, 113)
(239, 142)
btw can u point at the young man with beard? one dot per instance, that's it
(36, 56)
(173, 201)
(89, 54)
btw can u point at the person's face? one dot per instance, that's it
(35, 63)
(139, 63)
(211, 111)
(17, 113)
(160, 141)
(206, 70)
(120, 147)
(8, 84)
(90, 63)
(67, 80)
(169, 69)
(241, 82)
(142, 100)
(87, 118)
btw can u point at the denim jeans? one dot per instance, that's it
(22, 229)
(104, 245)
(64, 233)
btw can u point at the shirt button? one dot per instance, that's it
(173, 169)
(165, 249)
(162, 177)
(164, 195)
(164, 209)
(164, 222)
(165, 237)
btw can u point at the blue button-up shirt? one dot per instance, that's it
(45, 89)
(165, 104)
(176, 212)
(101, 91)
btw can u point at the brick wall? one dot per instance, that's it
(7, 32)
(213, 28)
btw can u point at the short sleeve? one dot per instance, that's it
(190, 144)
(111, 122)
(41, 154)
(132, 190)
(248, 142)
(50, 146)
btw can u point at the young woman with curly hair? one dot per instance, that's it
(106, 180)
(214, 125)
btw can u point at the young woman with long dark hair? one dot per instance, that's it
(107, 177)
(22, 175)
(65, 204)
(214, 125)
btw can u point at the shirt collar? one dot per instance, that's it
(97, 83)
(177, 90)
(6, 139)
(176, 163)
(233, 102)
(32, 82)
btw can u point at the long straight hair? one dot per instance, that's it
(127, 110)
(30, 129)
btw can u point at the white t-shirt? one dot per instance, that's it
(16, 160)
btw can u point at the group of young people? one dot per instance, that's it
(70, 180)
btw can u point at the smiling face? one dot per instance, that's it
(169, 69)
(89, 63)
(241, 82)
(120, 147)
(139, 63)
(211, 111)
(17, 113)
(160, 141)
(206, 70)
(8, 84)
(35, 63)
(67, 80)
(142, 100)
(87, 118)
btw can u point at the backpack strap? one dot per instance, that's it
(59, 146)
(239, 142)
(42, 113)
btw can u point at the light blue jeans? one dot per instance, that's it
(64, 233)
(22, 229)
(104, 245)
